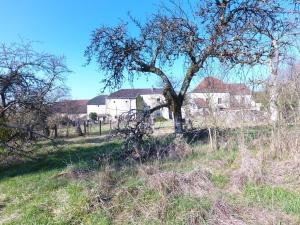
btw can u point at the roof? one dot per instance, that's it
(134, 93)
(99, 100)
(70, 107)
(214, 85)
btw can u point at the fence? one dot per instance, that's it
(87, 128)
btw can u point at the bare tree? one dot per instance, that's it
(279, 42)
(29, 82)
(192, 34)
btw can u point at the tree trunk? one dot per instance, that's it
(3, 103)
(273, 66)
(78, 130)
(55, 131)
(178, 122)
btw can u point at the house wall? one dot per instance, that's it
(213, 99)
(115, 107)
(243, 99)
(155, 100)
(247, 101)
(99, 109)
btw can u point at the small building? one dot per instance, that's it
(98, 106)
(125, 100)
(214, 93)
(72, 109)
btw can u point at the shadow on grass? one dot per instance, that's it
(86, 140)
(61, 158)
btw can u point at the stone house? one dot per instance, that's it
(97, 105)
(215, 94)
(125, 100)
(74, 110)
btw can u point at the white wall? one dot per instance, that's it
(247, 101)
(152, 101)
(115, 107)
(213, 99)
(99, 109)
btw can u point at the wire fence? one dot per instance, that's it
(87, 128)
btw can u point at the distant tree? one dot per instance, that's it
(93, 116)
(280, 40)
(30, 82)
(226, 31)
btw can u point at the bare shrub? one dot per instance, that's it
(251, 168)
(76, 173)
(285, 142)
(257, 215)
(195, 183)
(134, 126)
(223, 214)
(283, 173)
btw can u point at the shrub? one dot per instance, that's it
(93, 116)
(159, 119)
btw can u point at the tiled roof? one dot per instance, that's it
(134, 93)
(99, 100)
(70, 107)
(214, 85)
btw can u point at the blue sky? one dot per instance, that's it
(63, 27)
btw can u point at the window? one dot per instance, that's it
(158, 99)
(126, 101)
(114, 101)
(219, 100)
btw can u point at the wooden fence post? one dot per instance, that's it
(84, 127)
(100, 127)
(55, 131)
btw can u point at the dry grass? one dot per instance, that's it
(195, 183)
(173, 189)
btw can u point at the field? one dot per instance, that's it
(88, 180)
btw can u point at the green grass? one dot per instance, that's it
(31, 192)
(183, 209)
(228, 156)
(34, 196)
(219, 180)
(274, 197)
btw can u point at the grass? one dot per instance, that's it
(34, 196)
(35, 190)
(274, 197)
(219, 180)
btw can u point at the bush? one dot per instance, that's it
(93, 116)
(159, 119)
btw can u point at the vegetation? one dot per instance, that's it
(93, 116)
(196, 34)
(86, 180)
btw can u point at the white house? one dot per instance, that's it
(125, 100)
(214, 93)
(97, 105)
